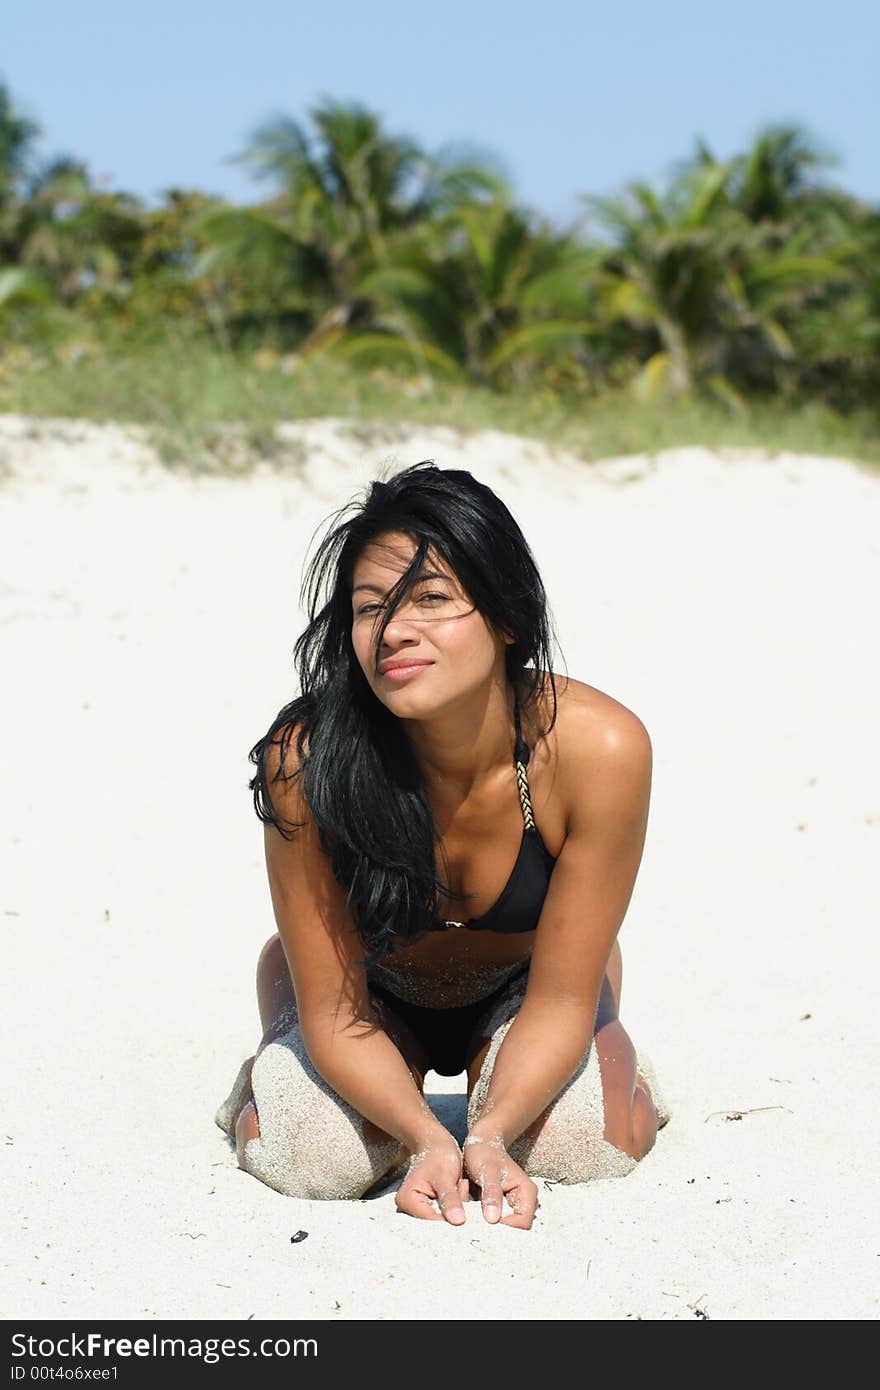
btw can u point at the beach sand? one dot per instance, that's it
(148, 619)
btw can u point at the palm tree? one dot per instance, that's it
(346, 192)
(692, 269)
(821, 285)
(166, 282)
(486, 290)
(17, 137)
(768, 182)
(82, 240)
(663, 271)
(836, 329)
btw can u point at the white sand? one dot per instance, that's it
(148, 620)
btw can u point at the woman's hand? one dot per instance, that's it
(488, 1164)
(435, 1176)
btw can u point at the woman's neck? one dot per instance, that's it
(460, 748)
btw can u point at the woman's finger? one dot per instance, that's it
(524, 1203)
(413, 1202)
(420, 1207)
(450, 1205)
(518, 1219)
(492, 1198)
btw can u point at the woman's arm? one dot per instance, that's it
(346, 1045)
(586, 902)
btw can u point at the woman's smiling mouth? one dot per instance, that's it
(404, 670)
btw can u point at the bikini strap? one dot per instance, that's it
(521, 755)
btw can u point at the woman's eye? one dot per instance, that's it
(375, 607)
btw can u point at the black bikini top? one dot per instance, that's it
(522, 898)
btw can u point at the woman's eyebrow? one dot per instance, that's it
(426, 574)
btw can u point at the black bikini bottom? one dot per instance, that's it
(445, 1034)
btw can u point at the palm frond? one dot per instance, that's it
(538, 340)
(386, 348)
(23, 286)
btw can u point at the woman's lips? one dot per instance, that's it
(405, 673)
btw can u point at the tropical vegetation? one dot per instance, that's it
(377, 273)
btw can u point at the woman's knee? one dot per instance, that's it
(296, 1170)
(311, 1143)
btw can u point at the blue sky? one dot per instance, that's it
(573, 96)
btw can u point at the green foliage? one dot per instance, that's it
(740, 284)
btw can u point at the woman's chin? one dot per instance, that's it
(404, 703)
(412, 703)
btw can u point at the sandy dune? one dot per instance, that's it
(147, 624)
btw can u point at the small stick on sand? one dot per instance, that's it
(738, 1114)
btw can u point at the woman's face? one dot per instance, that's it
(436, 626)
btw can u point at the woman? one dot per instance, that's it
(428, 745)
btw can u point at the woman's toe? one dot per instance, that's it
(247, 1127)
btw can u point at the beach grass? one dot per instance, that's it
(186, 393)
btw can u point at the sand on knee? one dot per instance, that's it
(311, 1141)
(570, 1146)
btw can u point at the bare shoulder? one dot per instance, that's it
(281, 765)
(591, 721)
(601, 753)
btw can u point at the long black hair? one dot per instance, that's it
(360, 778)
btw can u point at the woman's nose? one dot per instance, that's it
(400, 629)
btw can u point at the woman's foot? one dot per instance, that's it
(244, 1123)
(227, 1113)
(238, 1113)
(246, 1128)
(646, 1081)
(242, 1092)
